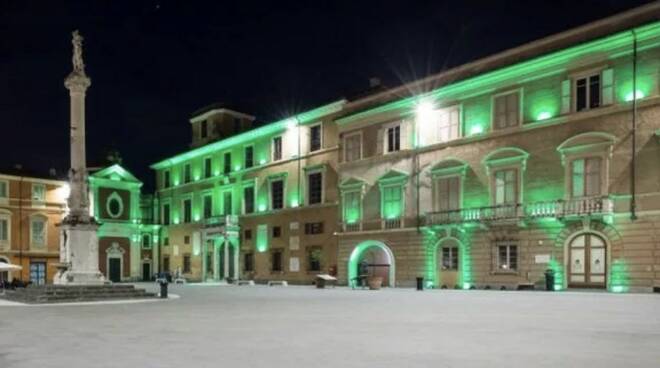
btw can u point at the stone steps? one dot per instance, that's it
(76, 293)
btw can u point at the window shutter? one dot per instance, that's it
(608, 86)
(379, 142)
(566, 96)
(406, 127)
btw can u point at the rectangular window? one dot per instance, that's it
(276, 260)
(146, 241)
(248, 262)
(186, 263)
(277, 231)
(187, 175)
(507, 257)
(166, 179)
(587, 92)
(208, 206)
(394, 138)
(312, 228)
(448, 124)
(187, 210)
(314, 259)
(450, 258)
(505, 186)
(226, 203)
(248, 200)
(392, 206)
(352, 147)
(249, 157)
(277, 194)
(38, 192)
(166, 263)
(315, 188)
(586, 177)
(166, 241)
(4, 230)
(315, 138)
(4, 189)
(507, 110)
(248, 234)
(166, 214)
(204, 129)
(186, 239)
(448, 193)
(277, 148)
(38, 231)
(226, 168)
(208, 169)
(351, 207)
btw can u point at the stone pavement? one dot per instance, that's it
(226, 326)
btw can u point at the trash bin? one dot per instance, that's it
(163, 289)
(420, 283)
(549, 280)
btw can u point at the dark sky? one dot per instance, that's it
(154, 62)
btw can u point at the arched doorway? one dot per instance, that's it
(448, 263)
(587, 261)
(376, 257)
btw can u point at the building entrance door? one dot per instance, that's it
(38, 273)
(114, 269)
(587, 259)
(448, 262)
(146, 271)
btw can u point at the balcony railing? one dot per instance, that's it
(552, 209)
(221, 221)
(377, 224)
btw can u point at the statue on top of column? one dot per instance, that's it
(78, 64)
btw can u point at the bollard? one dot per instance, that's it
(420, 283)
(163, 289)
(549, 280)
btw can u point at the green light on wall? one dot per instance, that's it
(476, 129)
(262, 238)
(262, 161)
(543, 115)
(619, 277)
(638, 95)
(466, 265)
(237, 168)
(262, 207)
(294, 203)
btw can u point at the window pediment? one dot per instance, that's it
(352, 183)
(504, 157)
(393, 177)
(450, 166)
(590, 142)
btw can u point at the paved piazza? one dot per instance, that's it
(221, 326)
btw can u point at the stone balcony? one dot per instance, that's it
(225, 221)
(514, 213)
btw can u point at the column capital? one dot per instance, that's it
(77, 82)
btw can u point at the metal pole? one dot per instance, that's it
(633, 202)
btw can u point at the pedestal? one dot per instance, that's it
(79, 256)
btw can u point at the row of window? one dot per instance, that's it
(585, 180)
(506, 260)
(38, 191)
(313, 255)
(38, 230)
(276, 188)
(315, 142)
(443, 124)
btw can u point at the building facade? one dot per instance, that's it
(30, 209)
(259, 204)
(541, 157)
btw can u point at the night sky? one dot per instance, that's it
(154, 62)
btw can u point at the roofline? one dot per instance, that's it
(600, 28)
(32, 178)
(268, 129)
(205, 115)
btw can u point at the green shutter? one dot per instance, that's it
(566, 96)
(608, 86)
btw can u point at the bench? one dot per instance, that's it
(278, 282)
(245, 282)
(324, 279)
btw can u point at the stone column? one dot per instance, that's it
(225, 270)
(216, 260)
